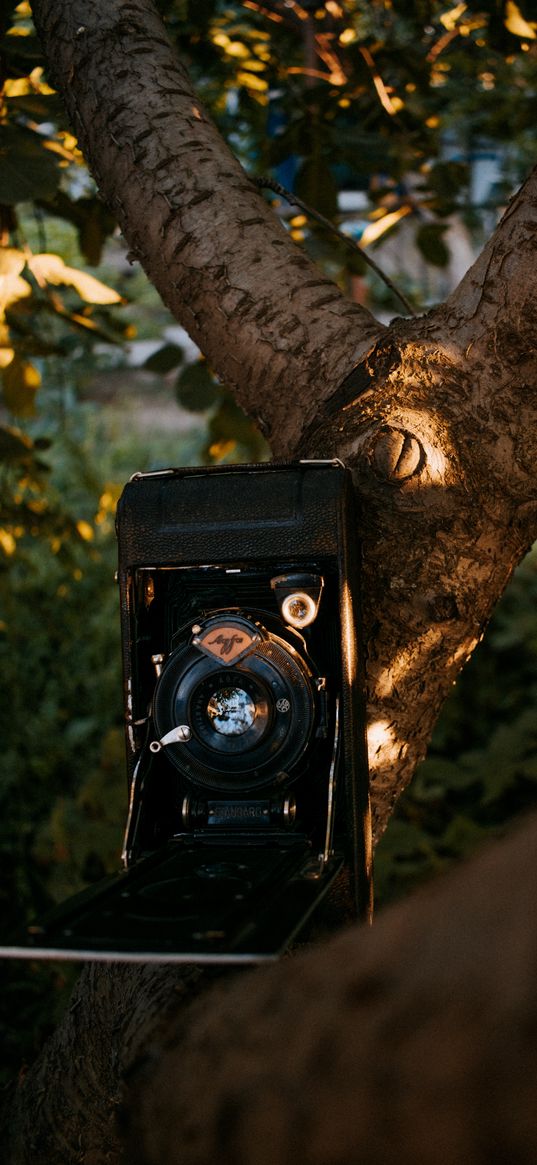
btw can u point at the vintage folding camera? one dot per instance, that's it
(248, 789)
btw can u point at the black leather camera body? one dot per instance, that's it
(244, 705)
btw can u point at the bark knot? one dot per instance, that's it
(396, 455)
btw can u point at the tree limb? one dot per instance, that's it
(270, 323)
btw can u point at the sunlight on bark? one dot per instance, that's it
(435, 440)
(382, 744)
(407, 660)
(463, 653)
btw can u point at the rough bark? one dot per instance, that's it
(411, 1044)
(66, 1109)
(436, 417)
(270, 323)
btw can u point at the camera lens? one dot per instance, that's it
(231, 711)
(249, 718)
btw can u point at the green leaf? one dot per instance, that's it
(38, 106)
(463, 835)
(15, 447)
(448, 178)
(196, 388)
(93, 229)
(20, 54)
(233, 435)
(445, 181)
(315, 185)
(90, 217)
(168, 357)
(27, 169)
(429, 240)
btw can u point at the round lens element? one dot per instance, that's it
(231, 711)
(299, 609)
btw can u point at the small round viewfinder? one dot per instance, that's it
(299, 609)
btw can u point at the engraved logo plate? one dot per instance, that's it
(227, 641)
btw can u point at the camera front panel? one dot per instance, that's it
(212, 758)
(237, 708)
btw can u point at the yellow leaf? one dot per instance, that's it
(7, 542)
(90, 289)
(12, 287)
(449, 19)
(48, 268)
(85, 530)
(21, 381)
(6, 356)
(515, 22)
(69, 141)
(220, 449)
(254, 66)
(251, 81)
(36, 77)
(17, 87)
(11, 261)
(235, 48)
(376, 229)
(23, 9)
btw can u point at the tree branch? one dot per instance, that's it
(270, 323)
(501, 286)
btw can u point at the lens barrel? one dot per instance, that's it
(247, 698)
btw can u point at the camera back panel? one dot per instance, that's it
(244, 710)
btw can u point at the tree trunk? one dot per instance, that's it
(436, 418)
(409, 1044)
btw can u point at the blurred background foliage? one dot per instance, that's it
(379, 115)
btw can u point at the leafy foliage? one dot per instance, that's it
(392, 99)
